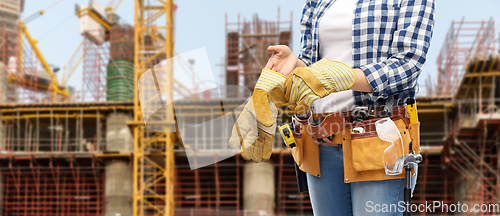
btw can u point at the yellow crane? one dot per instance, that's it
(153, 17)
(53, 86)
(111, 8)
(73, 62)
(106, 20)
(77, 56)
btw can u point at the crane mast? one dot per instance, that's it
(153, 151)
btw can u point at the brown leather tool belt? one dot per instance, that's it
(355, 130)
(324, 126)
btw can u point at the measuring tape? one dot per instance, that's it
(286, 133)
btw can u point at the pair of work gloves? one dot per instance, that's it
(255, 128)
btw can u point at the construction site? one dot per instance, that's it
(86, 150)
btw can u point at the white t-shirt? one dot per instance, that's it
(335, 43)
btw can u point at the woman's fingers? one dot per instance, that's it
(280, 61)
(273, 49)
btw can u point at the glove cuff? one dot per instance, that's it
(269, 80)
(341, 75)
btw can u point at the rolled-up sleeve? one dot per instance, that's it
(410, 44)
(305, 28)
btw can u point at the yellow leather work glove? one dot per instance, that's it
(255, 128)
(308, 84)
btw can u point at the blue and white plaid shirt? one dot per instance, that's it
(390, 42)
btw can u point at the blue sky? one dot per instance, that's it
(201, 23)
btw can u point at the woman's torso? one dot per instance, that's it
(335, 43)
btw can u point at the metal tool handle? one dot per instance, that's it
(407, 192)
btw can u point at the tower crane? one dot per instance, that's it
(153, 42)
(153, 18)
(31, 81)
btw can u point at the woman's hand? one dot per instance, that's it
(283, 60)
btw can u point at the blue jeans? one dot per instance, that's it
(331, 196)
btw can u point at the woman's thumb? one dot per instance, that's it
(273, 49)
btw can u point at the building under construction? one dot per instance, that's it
(85, 150)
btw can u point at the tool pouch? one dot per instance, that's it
(415, 137)
(363, 152)
(368, 149)
(306, 152)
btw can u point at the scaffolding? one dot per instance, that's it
(289, 200)
(98, 58)
(25, 75)
(215, 187)
(23, 79)
(66, 127)
(464, 40)
(52, 185)
(52, 153)
(14, 47)
(471, 149)
(218, 187)
(471, 153)
(433, 185)
(208, 212)
(95, 60)
(9, 56)
(246, 48)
